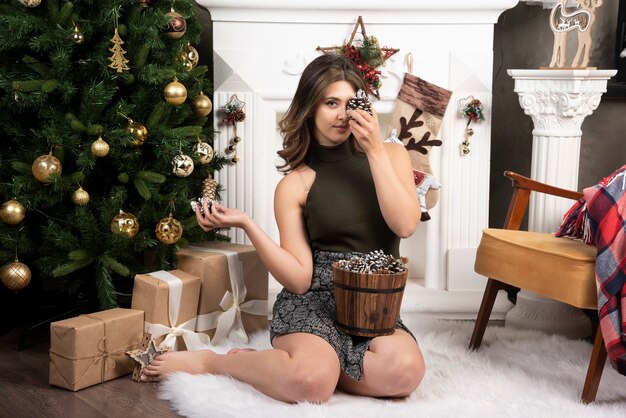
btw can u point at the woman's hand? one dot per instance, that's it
(217, 216)
(365, 129)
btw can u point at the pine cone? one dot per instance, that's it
(209, 188)
(360, 101)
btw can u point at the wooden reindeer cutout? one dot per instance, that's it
(563, 21)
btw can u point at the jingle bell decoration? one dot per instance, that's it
(203, 151)
(138, 132)
(176, 27)
(169, 230)
(12, 212)
(77, 36)
(99, 147)
(44, 166)
(182, 165)
(125, 223)
(30, 3)
(80, 197)
(15, 276)
(175, 93)
(201, 105)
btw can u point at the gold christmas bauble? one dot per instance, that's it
(77, 36)
(176, 27)
(125, 223)
(201, 105)
(182, 165)
(30, 3)
(12, 212)
(169, 230)
(175, 93)
(99, 147)
(204, 152)
(44, 166)
(138, 131)
(15, 276)
(235, 160)
(189, 57)
(80, 197)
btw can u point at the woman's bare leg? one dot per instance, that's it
(393, 367)
(300, 367)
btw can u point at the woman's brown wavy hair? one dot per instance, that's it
(297, 127)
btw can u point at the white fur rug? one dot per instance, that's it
(514, 374)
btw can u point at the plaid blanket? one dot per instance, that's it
(606, 207)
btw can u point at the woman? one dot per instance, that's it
(345, 192)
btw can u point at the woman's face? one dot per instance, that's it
(331, 121)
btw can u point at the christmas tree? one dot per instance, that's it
(105, 140)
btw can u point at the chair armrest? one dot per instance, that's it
(521, 194)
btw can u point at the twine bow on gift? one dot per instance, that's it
(192, 340)
(228, 324)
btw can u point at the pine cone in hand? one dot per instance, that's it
(360, 101)
(209, 192)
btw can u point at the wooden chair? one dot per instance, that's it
(557, 268)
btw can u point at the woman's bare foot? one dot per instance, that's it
(239, 350)
(194, 362)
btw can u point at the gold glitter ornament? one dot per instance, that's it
(175, 93)
(12, 212)
(203, 151)
(201, 105)
(15, 276)
(138, 131)
(99, 147)
(44, 166)
(80, 197)
(169, 230)
(182, 165)
(125, 223)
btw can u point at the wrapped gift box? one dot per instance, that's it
(170, 302)
(233, 295)
(90, 349)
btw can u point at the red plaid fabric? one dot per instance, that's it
(606, 207)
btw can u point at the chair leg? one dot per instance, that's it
(594, 372)
(489, 298)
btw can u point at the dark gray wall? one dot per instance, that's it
(523, 40)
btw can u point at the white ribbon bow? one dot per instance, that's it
(192, 340)
(228, 324)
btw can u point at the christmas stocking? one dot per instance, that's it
(415, 123)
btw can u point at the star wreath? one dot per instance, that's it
(367, 54)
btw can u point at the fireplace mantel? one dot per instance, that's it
(260, 50)
(378, 11)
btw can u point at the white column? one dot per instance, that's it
(558, 102)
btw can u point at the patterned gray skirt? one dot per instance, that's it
(314, 313)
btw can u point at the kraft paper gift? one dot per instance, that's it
(90, 349)
(170, 302)
(233, 296)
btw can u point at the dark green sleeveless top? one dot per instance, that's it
(342, 212)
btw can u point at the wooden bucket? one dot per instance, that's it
(368, 305)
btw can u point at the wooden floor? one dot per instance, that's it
(24, 389)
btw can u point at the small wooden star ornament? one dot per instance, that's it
(366, 53)
(144, 355)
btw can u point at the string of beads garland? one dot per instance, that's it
(233, 113)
